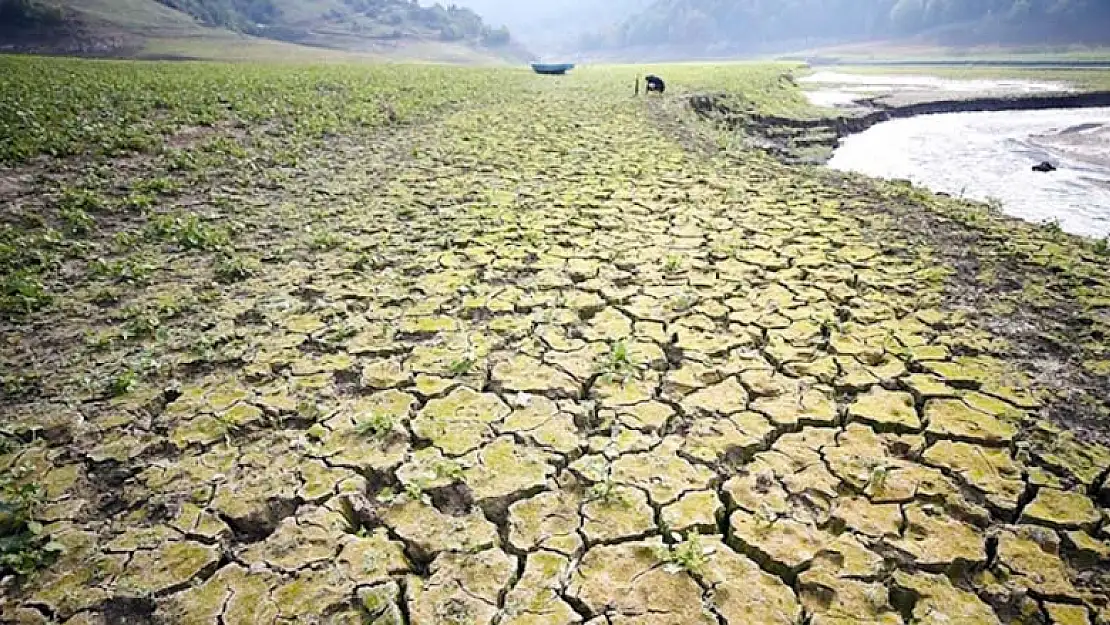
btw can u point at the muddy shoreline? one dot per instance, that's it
(1051, 337)
(811, 141)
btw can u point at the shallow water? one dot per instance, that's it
(987, 156)
(834, 89)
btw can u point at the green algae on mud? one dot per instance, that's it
(302, 442)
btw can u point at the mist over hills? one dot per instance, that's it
(676, 29)
(751, 26)
(559, 26)
(580, 30)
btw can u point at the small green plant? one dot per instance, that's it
(688, 555)
(618, 363)
(181, 160)
(461, 367)
(449, 470)
(323, 241)
(284, 158)
(672, 264)
(683, 303)
(160, 227)
(386, 495)
(22, 293)
(172, 304)
(234, 268)
(227, 425)
(207, 296)
(336, 336)
(140, 324)
(138, 202)
(606, 492)
(131, 270)
(123, 383)
(24, 548)
(125, 241)
(414, 491)
(377, 426)
(1102, 247)
(224, 145)
(77, 221)
(877, 481)
(160, 185)
(81, 200)
(189, 232)
(193, 234)
(202, 348)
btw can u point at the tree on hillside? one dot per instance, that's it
(29, 13)
(740, 23)
(497, 37)
(242, 15)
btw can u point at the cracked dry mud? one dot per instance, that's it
(583, 343)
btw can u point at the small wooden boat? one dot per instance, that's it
(555, 69)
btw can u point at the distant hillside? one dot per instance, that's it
(741, 26)
(128, 27)
(319, 21)
(89, 27)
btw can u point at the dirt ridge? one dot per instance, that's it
(779, 135)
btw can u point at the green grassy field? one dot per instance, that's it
(227, 47)
(351, 343)
(764, 88)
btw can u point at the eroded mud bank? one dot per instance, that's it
(813, 140)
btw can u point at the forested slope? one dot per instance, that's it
(752, 24)
(126, 27)
(299, 19)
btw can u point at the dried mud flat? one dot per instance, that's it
(540, 363)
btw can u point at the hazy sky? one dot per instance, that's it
(554, 26)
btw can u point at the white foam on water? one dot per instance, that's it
(841, 89)
(915, 82)
(989, 156)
